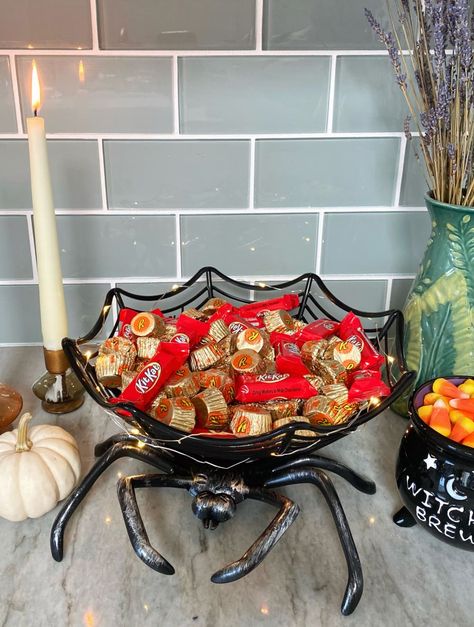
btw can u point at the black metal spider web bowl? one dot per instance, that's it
(221, 472)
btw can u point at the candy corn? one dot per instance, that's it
(432, 397)
(469, 441)
(464, 404)
(463, 427)
(425, 411)
(446, 388)
(439, 420)
(456, 414)
(467, 387)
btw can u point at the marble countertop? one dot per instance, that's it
(410, 577)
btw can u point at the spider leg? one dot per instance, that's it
(104, 446)
(116, 451)
(355, 583)
(262, 546)
(325, 463)
(133, 520)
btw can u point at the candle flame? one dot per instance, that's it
(35, 89)
(81, 72)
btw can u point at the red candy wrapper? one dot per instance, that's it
(235, 322)
(124, 329)
(351, 330)
(169, 357)
(254, 311)
(269, 387)
(367, 384)
(194, 329)
(288, 358)
(317, 330)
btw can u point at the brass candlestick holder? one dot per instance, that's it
(59, 389)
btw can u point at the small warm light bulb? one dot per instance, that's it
(175, 287)
(141, 444)
(35, 89)
(264, 610)
(145, 607)
(87, 355)
(107, 520)
(89, 618)
(81, 72)
(119, 475)
(390, 359)
(262, 284)
(374, 401)
(371, 520)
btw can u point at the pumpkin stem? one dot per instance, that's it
(22, 441)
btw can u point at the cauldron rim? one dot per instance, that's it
(455, 448)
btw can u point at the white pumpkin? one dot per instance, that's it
(37, 469)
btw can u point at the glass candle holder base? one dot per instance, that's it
(59, 393)
(10, 405)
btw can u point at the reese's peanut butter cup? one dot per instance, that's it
(279, 321)
(313, 350)
(318, 409)
(147, 346)
(283, 409)
(212, 378)
(127, 377)
(211, 409)
(348, 354)
(212, 305)
(250, 338)
(118, 344)
(170, 331)
(176, 412)
(330, 370)
(218, 330)
(109, 368)
(205, 356)
(281, 422)
(145, 324)
(336, 391)
(227, 345)
(246, 361)
(182, 383)
(156, 401)
(250, 420)
(192, 312)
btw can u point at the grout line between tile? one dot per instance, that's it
(388, 294)
(259, 25)
(178, 247)
(16, 95)
(102, 52)
(214, 136)
(31, 239)
(331, 95)
(252, 173)
(103, 181)
(401, 163)
(175, 93)
(94, 27)
(319, 242)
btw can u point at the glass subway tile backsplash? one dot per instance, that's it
(264, 137)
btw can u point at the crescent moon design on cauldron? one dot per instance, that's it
(453, 493)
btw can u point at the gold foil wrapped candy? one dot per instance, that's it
(250, 420)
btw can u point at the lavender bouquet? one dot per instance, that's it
(430, 48)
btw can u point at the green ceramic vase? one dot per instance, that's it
(439, 311)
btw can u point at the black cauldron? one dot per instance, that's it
(435, 478)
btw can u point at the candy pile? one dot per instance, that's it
(449, 410)
(241, 371)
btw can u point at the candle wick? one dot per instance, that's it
(35, 112)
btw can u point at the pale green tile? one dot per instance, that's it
(374, 243)
(110, 246)
(254, 245)
(74, 169)
(325, 172)
(15, 256)
(21, 322)
(400, 289)
(117, 95)
(7, 106)
(177, 24)
(414, 185)
(177, 174)
(45, 24)
(367, 98)
(363, 295)
(320, 24)
(253, 94)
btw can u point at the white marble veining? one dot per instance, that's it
(410, 577)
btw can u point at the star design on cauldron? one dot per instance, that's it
(430, 462)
